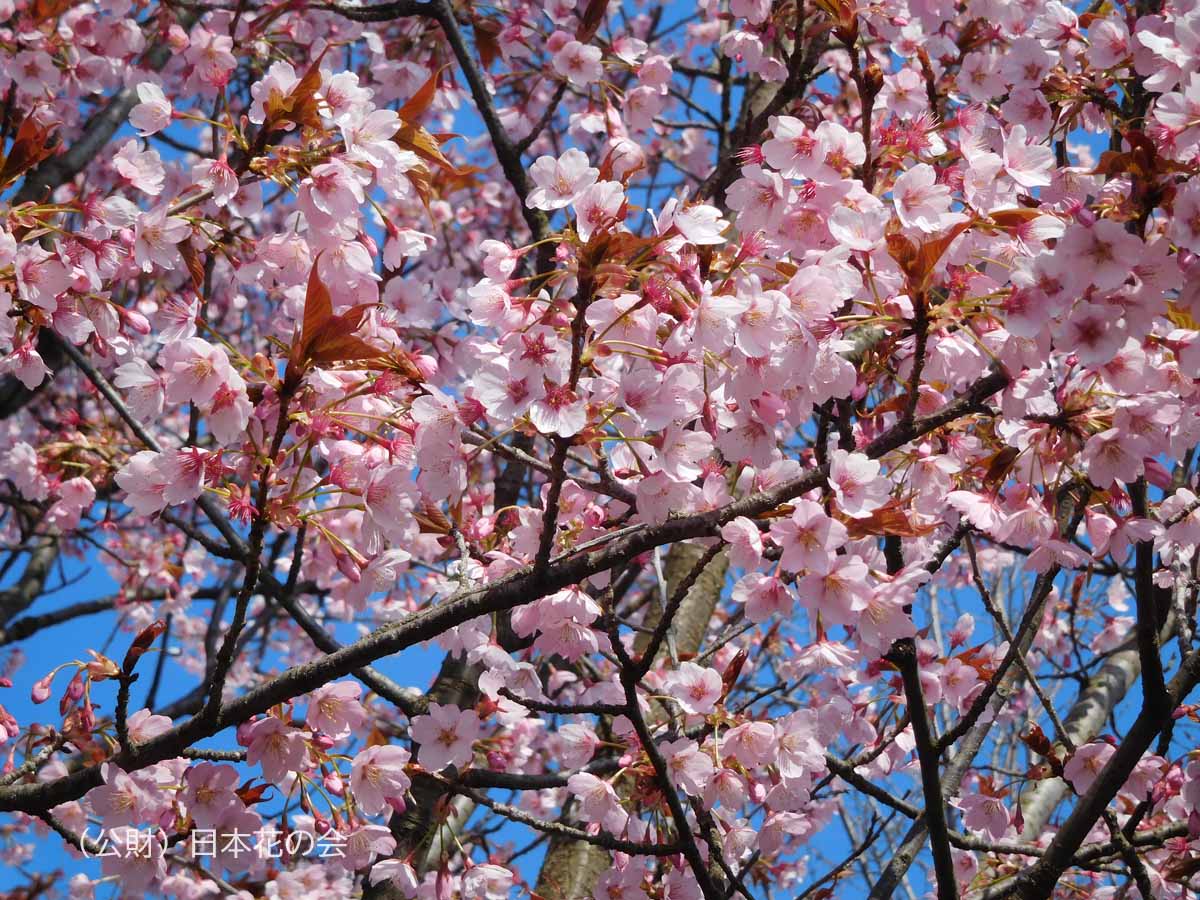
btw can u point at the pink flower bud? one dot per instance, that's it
(334, 784)
(348, 567)
(136, 321)
(41, 689)
(1157, 474)
(426, 365)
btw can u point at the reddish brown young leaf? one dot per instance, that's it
(249, 793)
(300, 106)
(487, 33)
(143, 642)
(326, 339)
(415, 138)
(195, 265)
(419, 102)
(48, 10)
(891, 520)
(31, 145)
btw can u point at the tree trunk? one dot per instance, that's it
(572, 868)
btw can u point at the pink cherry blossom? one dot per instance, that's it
(156, 237)
(276, 746)
(745, 542)
(794, 150)
(153, 112)
(807, 537)
(696, 688)
(335, 709)
(839, 592)
(597, 208)
(598, 801)
(856, 483)
(1086, 763)
(763, 596)
(1109, 251)
(446, 736)
(985, 814)
(579, 63)
(1027, 164)
(210, 791)
(560, 181)
(378, 776)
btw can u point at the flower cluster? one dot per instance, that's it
(679, 379)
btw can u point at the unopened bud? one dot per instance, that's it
(426, 365)
(136, 321)
(75, 688)
(348, 567)
(41, 689)
(873, 79)
(334, 784)
(87, 718)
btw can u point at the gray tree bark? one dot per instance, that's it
(572, 868)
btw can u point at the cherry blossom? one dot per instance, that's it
(446, 736)
(560, 181)
(921, 202)
(675, 448)
(856, 483)
(696, 688)
(597, 207)
(986, 814)
(1086, 763)
(153, 113)
(276, 746)
(579, 63)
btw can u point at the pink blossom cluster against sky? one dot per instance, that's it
(603, 449)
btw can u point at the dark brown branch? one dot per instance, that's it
(383, 12)
(513, 590)
(903, 655)
(1149, 622)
